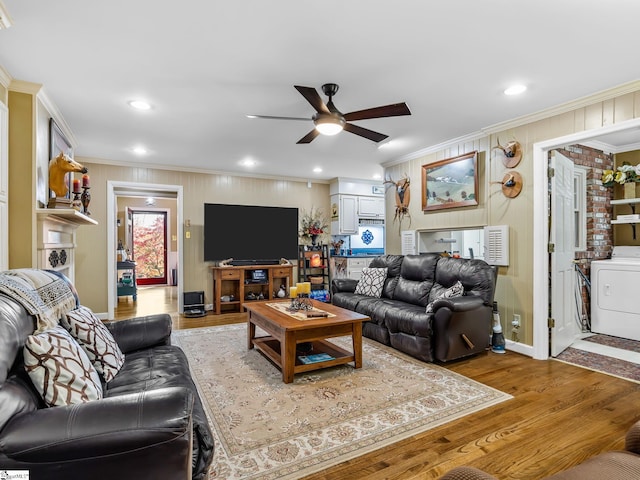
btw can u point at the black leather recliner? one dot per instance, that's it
(457, 327)
(149, 425)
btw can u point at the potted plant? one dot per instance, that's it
(627, 175)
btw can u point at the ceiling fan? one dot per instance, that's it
(329, 120)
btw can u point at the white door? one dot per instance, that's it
(561, 233)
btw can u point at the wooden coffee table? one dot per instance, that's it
(285, 332)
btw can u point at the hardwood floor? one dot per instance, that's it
(559, 416)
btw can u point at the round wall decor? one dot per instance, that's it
(511, 184)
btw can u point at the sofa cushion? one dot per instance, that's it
(456, 290)
(60, 369)
(371, 282)
(416, 278)
(158, 367)
(476, 278)
(96, 339)
(347, 300)
(393, 264)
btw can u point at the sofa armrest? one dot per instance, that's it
(343, 285)
(458, 304)
(103, 428)
(467, 473)
(141, 332)
(461, 327)
(632, 439)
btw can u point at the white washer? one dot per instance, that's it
(615, 294)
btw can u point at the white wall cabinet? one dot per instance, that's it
(344, 218)
(347, 210)
(371, 207)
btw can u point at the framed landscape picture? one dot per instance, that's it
(450, 183)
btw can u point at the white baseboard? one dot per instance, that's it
(519, 348)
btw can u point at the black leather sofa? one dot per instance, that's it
(457, 327)
(149, 425)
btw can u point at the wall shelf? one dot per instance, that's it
(632, 204)
(67, 214)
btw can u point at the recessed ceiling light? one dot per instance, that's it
(140, 150)
(515, 90)
(248, 163)
(317, 170)
(139, 105)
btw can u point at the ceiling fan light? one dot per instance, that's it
(329, 124)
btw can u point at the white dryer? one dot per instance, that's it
(615, 294)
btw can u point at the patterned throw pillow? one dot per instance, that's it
(371, 282)
(59, 368)
(96, 339)
(456, 290)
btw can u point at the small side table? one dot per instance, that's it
(126, 280)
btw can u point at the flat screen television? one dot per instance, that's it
(250, 234)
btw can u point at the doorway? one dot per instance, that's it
(149, 246)
(541, 230)
(118, 224)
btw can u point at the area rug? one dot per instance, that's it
(603, 363)
(266, 429)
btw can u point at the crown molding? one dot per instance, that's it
(21, 86)
(472, 137)
(581, 102)
(608, 148)
(5, 78)
(57, 116)
(5, 18)
(37, 90)
(177, 168)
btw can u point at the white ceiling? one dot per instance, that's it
(205, 65)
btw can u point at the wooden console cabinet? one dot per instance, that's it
(236, 284)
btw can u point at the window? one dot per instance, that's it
(580, 207)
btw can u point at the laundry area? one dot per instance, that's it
(615, 309)
(611, 342)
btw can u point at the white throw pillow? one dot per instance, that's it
(371, 282)
(60, 369)
(96, 339)
(456, 290)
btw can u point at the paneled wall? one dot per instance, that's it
(515, 283)
(199, 188)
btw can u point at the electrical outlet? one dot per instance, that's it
(516, 321)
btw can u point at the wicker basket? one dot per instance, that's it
(316, 280)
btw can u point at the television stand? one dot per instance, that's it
(234, 286)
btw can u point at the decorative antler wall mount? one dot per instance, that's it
(512, 153)
(403, 196)
(511, 184)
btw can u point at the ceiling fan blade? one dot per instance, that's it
(309, 136)
(271, 117)
(393, 110)
(313, 97)
(365, 132)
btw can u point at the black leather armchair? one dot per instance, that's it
(150, 423)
